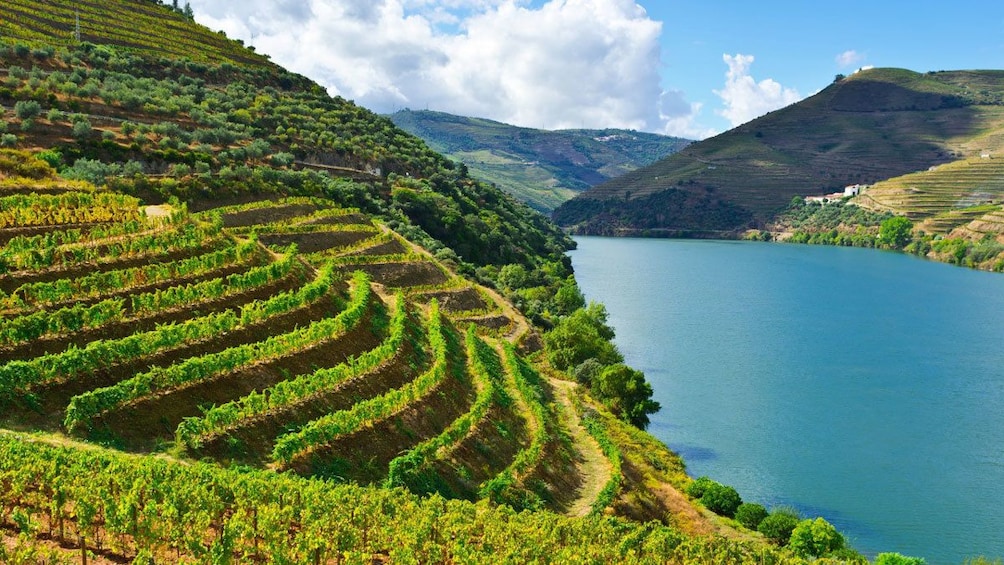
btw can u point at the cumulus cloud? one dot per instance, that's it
(562, 64)
(849, 59)
(744, 98)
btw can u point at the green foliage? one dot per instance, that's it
(582, 335)
(896, 232)
(626, 393)
(721, 499)
(165, 506)
(82, 129)
(295, 445)
(778, 525)
(699, 486)
(83, 407)
(27, 109)
(815, 538)
(897, 559)
(750, 514)
(587, 371)
(194, 431)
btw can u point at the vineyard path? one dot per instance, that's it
(593, 465)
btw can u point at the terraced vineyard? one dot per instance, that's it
(242, 321)
(957, 194)
(138, 24)
(288, 335)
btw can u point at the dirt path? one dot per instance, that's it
(592, 465)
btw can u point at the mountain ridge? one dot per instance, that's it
(540, 167)
(872, 126)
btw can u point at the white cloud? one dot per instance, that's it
(745, 98)
(849, 58)
(563, 64)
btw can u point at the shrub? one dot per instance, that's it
(586, 371)
(27, 109)
(721, 499)
(896, 232)
(897, 559)
(778, 525)
(696, 488)
(750, 514)
(8, 140)
(82, 129)
(815, 538)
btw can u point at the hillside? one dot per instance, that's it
(243, 321)
(540, 167)
(872, 126)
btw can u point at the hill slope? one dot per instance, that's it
(875, 125)
(542, 168)
(224, 272)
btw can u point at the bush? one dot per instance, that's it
(778, 525)
(697, 488)
(8, 140)
(815, 538)
(82, 129)
(721, 499)
(750, 514)
(897, 559)
(626, 393)
(586, 371)
(896, 232)
(27, 109)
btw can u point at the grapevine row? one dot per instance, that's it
(159, 242)
(326, 429)
(21, 375)
(404, 469)
(80, 316)
(67, 208)
(501, 488)
(152, 509)
(195, 431)
(84, 407)
(32, 295)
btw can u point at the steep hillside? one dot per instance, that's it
(542, 168)
(871, 126)
(241, 321)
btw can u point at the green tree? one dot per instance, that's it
(750, 514)
(568, 298)
(896, 232)
(897, 559)
(778, 525)
(27, 109)
(587, 371)
(82, 129)
(513, 276)
(626, 393)
(582, 335)
(815, 538)
(721, 499)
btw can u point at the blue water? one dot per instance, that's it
(860, 385)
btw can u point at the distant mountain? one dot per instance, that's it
(872, 126)
(540, 167)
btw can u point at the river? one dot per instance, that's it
(860, 385)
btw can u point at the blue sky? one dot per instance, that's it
(687, 68)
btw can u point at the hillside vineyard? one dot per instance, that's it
(242, 321)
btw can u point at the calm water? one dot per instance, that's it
(860, 385)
